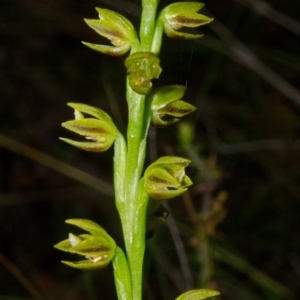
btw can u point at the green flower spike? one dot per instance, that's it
(183, 14)
(98, 247)
(100, 130)
(117, 29)
(141, 68)
(166, 106)
(166, 179)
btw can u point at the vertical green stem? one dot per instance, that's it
(122, 275)
(131, 198)
(137, 248)
(157, 37)
(135, 197)
(148, 23)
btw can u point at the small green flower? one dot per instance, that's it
(166, 179)
(98, 247)
(166, 106)
(183, 14)
(100, 130)
(116, 28)
(141, 68)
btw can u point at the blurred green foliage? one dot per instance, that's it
(236, 231)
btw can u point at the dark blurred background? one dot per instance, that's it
(237, 230)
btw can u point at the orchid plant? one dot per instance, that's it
(138, 193)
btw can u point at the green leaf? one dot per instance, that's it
(120, 163)
(122, 275)
(198, 294)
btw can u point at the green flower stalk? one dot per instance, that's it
(138, 198)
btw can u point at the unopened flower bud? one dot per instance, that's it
(98, 247)
(183, 14)
(166, 106)
(166, 179)
(141, 68)
(100, 130)
(114, 27)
